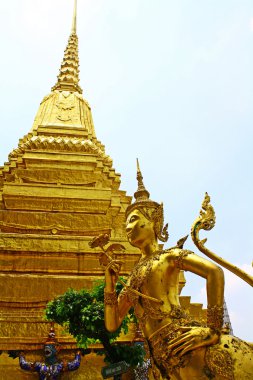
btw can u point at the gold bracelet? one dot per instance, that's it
(110, 298)
(215, 317)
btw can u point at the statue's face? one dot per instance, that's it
(140, 230)
(50, 350)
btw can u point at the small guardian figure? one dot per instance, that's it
(51, 368)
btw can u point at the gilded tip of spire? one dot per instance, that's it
(138, 166)
(73, 30)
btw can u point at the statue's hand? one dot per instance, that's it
(111, 274)
(191, 338)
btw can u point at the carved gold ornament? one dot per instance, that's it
(206, 221)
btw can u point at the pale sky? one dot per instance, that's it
(170, 82)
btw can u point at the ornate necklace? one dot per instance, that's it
(141, 272)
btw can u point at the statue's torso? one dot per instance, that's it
(157, 277)
(47, 372)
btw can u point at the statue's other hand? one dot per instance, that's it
(191, 338)
(112, 273)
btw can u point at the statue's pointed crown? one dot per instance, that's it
(144, 203)
(51, 339)
(141, 193)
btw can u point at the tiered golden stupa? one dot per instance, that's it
(57, 191)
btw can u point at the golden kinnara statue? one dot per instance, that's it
(180, 347)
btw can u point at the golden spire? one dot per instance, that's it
(68, 78)
(64, 112)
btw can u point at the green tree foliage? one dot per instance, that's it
(82, 315)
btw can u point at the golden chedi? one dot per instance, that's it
(57, 191)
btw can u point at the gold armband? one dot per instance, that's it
(215, 317)
(110, 298)
(179, 261)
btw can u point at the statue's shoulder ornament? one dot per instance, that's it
(177, 253)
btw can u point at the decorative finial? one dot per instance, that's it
(141, 193)
(73, 30)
